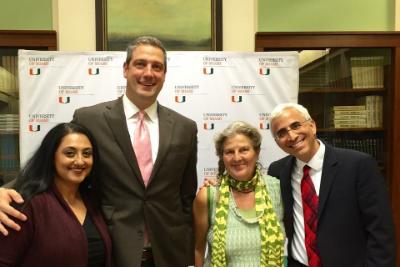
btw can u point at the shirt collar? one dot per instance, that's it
(131, 109)
(316, 161)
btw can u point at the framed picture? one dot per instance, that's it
(181, 25)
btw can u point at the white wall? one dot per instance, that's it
(397, 15)
(239, 24)
(74, 21)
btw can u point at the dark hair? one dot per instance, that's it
(145, 40)
(233, 129)
(39, 172)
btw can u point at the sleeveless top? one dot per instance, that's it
(243, 244)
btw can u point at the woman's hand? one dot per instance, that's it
(209, 182)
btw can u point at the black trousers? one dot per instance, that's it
(293, 263)
(147, 258)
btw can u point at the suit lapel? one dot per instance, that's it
(115, 118)
(165, 124)
(329, 170)
(287, 195)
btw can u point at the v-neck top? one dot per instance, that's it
(52, 235)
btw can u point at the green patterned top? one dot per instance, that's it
(243, 243)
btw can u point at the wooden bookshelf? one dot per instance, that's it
(10, 42)
(340, 90)
(38, 40)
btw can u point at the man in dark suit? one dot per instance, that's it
(354, 225)
(150, 222)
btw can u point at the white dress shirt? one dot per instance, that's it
(151, 120)
(298, 247)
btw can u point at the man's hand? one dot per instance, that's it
(209, 182)
(6, 197)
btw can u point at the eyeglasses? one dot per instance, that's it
(284, 132)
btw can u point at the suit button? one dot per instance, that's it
(140, 233)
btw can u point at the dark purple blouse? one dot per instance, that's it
(52, 235)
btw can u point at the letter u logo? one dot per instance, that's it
(33, 71)
(264, 71)
(264, 126)
(94, 71)
(236, 99)
(208, 126)
(34, 128)
(180, 99)
(64, 100)
(208, 71)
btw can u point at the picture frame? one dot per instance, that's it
(108, 41)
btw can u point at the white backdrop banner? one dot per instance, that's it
(212, 88)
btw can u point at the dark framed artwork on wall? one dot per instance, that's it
(181, 25)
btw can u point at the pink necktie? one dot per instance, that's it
(142, 147)
(310, 210)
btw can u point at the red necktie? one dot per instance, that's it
(142, 147)
(310, 210)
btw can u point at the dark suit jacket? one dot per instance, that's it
(355, 226)
(52, 236)
(166, 203)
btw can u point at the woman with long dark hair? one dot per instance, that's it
(65, 226)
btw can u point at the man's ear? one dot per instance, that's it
(125, 69)
(314, 126)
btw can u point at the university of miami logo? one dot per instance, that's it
(208, 126)
(264, 125)
(208, 70)
(64, 100)
(34, 128)
(93, 71)
(34, 71)
(236, 99)
(180, 99)
(264, 71)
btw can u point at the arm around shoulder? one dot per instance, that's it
(7, 196)
(189, 181)
(14, 246)
(200, 214)
(376, 213)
